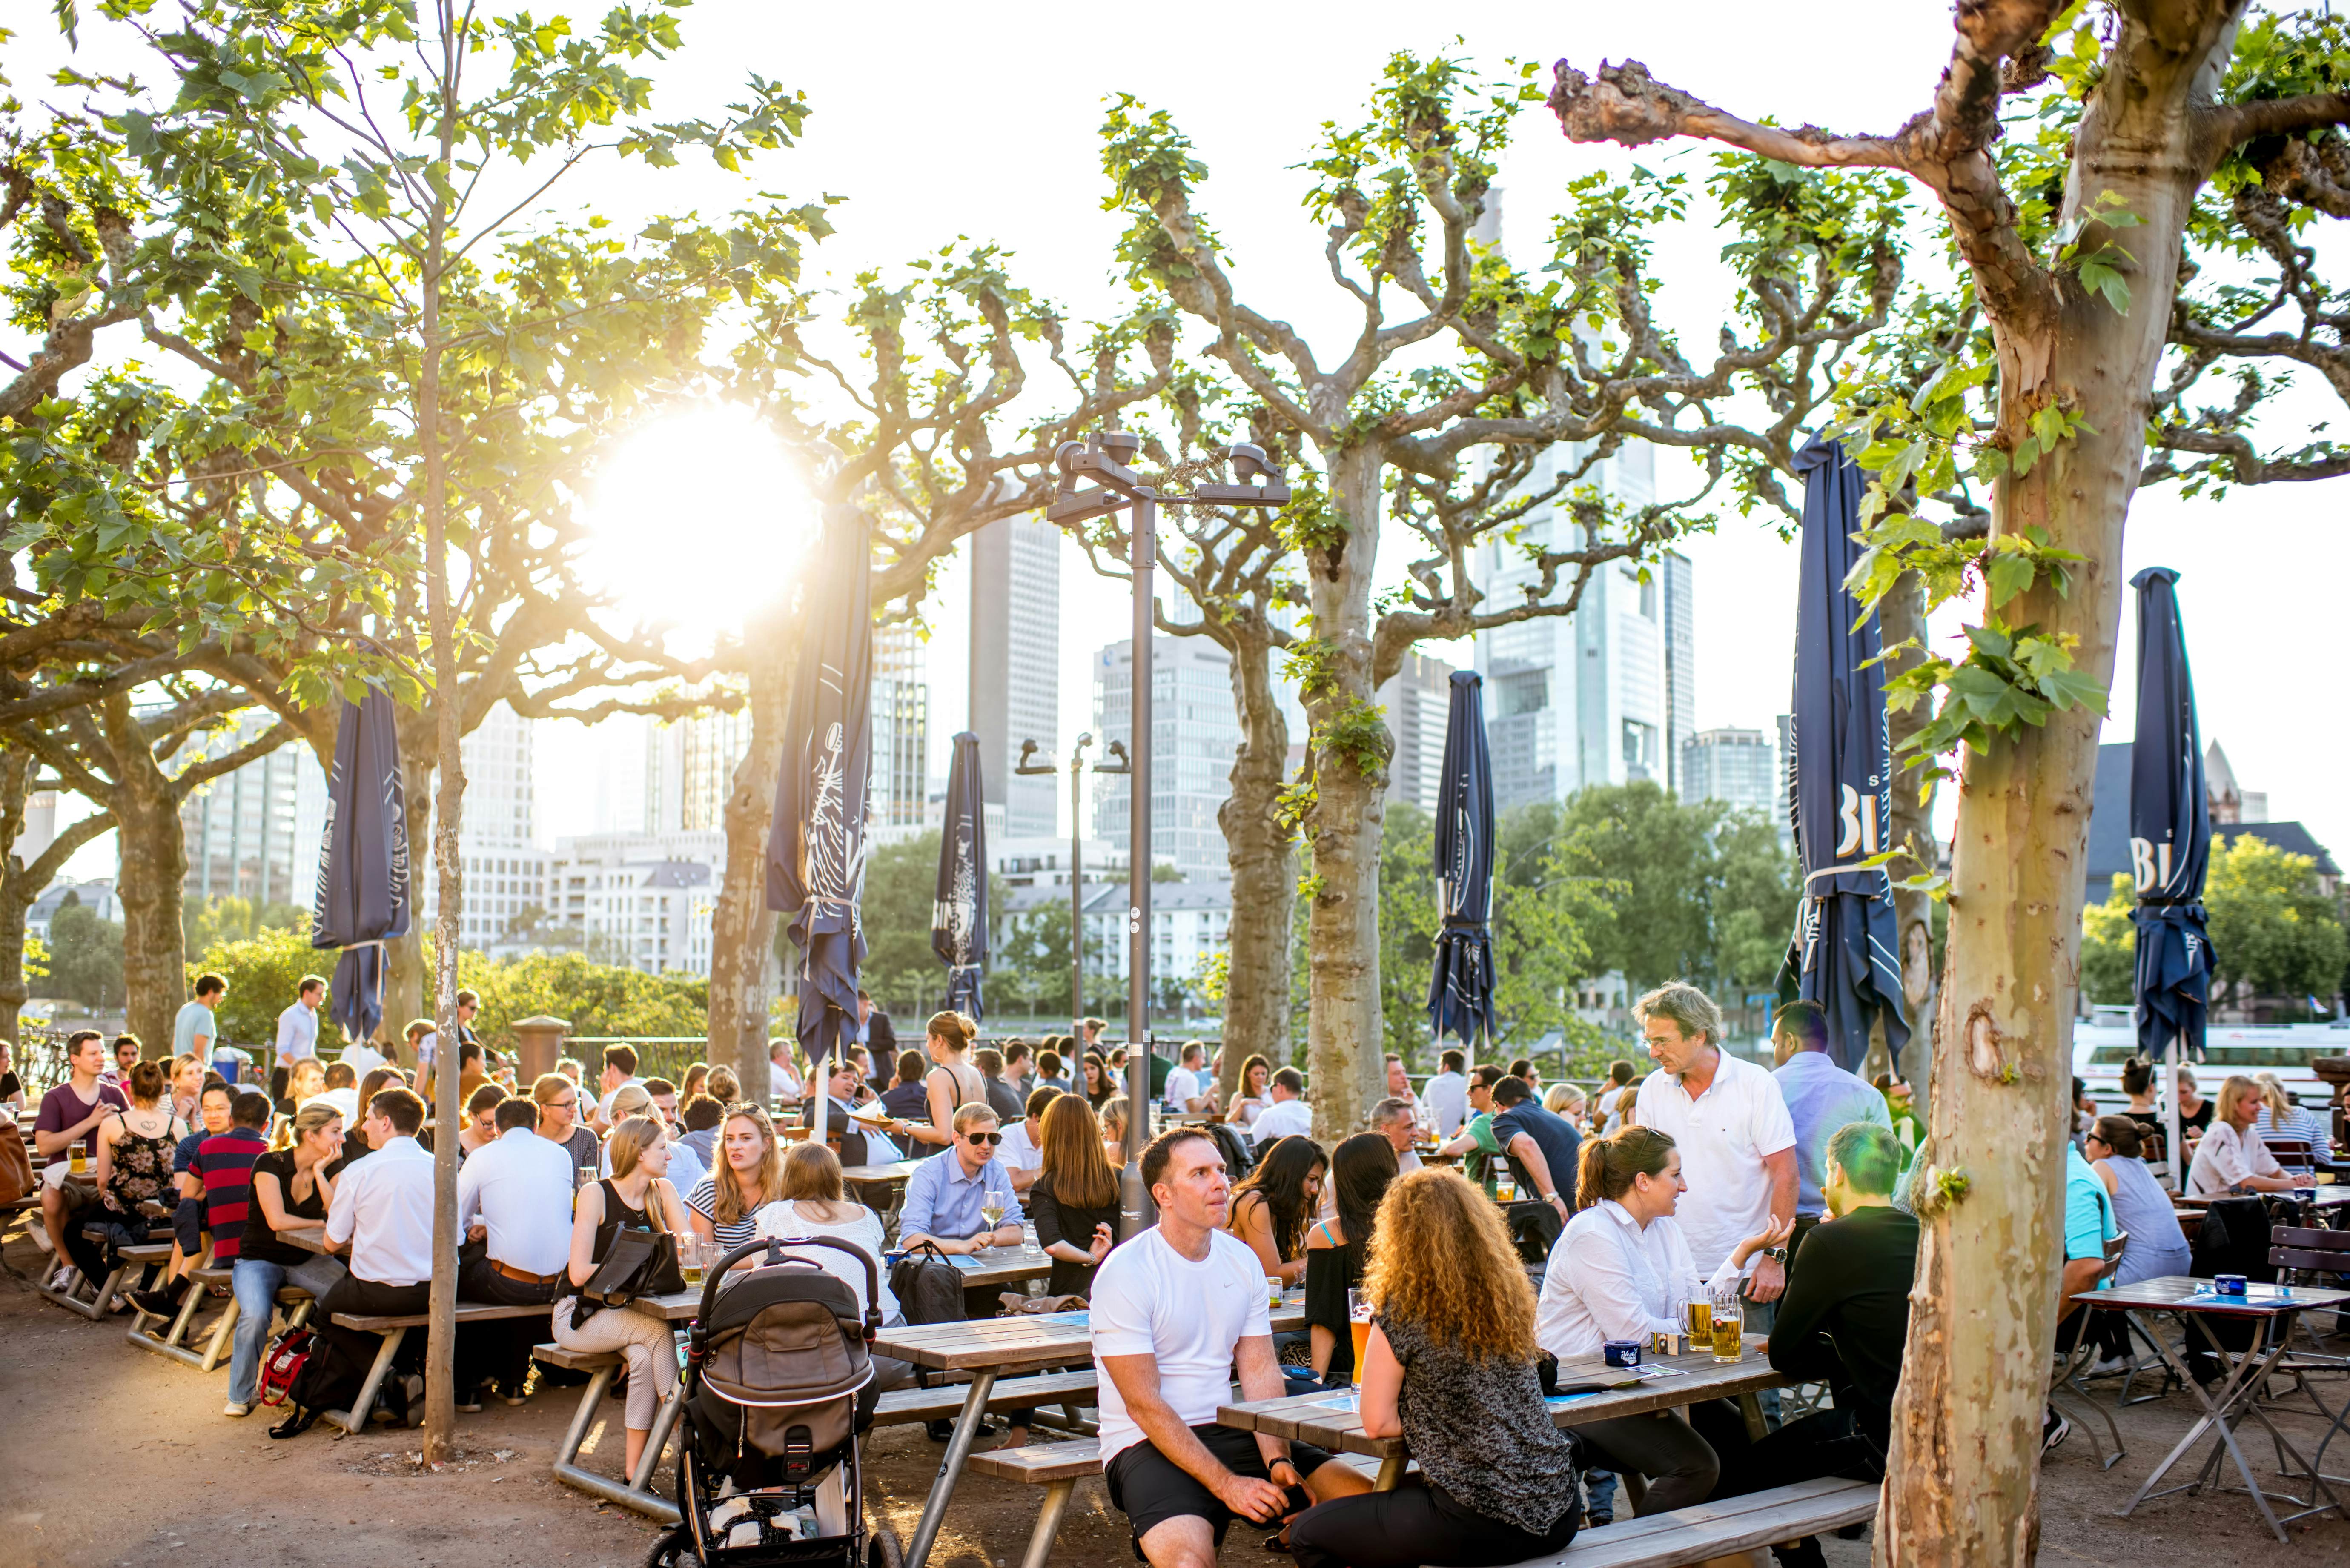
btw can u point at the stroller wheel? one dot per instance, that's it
(881, 1548)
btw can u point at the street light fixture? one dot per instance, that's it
(1104, 459)
(1076, 851)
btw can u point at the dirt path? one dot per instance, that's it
(117, 1459)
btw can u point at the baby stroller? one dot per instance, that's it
(777, 1397)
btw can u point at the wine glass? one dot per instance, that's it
(991, 1210)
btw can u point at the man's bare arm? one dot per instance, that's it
(1261, 1378)
(1137, 1378)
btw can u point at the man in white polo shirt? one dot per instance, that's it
(1731, 1124)
(1175, 1312)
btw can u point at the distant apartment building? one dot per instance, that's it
(1015, 666)
(1607, 695)
(640, 899)
(253, 832)
(505, 870)
(1737, 767)
(1195, 733)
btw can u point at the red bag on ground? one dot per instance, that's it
(282, 1363)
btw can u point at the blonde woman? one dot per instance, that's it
(950, 1083)
(631, 1100)
(1565, 1100)
(816, 1202)
(634, 1194)
(2279, 1117)
(1450, 1369)
(1113, 1131)
(290, 1189)
(2231, 1158)
(748, 1175)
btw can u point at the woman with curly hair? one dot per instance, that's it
(1450, 1369)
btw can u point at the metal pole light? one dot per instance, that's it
(1077, 853)
(1105, 460)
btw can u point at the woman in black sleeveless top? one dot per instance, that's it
(636, 1194)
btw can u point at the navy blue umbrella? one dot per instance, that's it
(2170, 829)
(1460, 991)
(959, 906)
(1840, 778)
(815, 846)
(362, 899)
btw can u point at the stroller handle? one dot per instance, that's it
(773, 1246)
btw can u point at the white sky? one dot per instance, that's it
(943, 121)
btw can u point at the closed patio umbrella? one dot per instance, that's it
(1840, 778)
(959, 905)
(1461, 990)
(362, 900)
(816, 843)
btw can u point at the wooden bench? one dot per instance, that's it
(910, 1407)
(175, 1343)
(394, 1330)
(140, 1257)
(1658, 1541)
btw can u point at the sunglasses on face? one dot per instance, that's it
(980, 1140)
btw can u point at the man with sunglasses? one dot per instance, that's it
(945, 1195)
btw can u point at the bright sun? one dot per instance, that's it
(697, 520)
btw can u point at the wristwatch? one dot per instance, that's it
(1776, 1254)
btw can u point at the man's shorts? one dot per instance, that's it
(1151, 1488)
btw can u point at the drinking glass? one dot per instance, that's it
(1505, 1188)
(992, 1212)
(693, 1259)
(1697, 1321)
(1729, 1323)
(1358, 1320)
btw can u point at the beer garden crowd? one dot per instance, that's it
(1708, 1198)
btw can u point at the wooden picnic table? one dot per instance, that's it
(896, 1172)
(992, 1348)
(1331, 1421)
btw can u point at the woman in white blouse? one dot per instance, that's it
(814, 1203)
(1621, 1270)
(2231, 1158)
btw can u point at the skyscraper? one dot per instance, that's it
(1195, 735)
(902, 733)
(244, 829)
(1015, 679)
(505, 871)
(1419, 704)
(1737, 767)
(1604, 696)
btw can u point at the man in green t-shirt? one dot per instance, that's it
(1479, 1148)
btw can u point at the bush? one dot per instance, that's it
(264, 972)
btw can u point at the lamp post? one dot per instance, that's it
(1077, 850)
(1104, 459)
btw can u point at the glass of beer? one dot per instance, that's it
(80, 1166)
(1505, 1188)
(1358, 1319)
(692, 1260)
(1696, 1322)
(1729, 1323)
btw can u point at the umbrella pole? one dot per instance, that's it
(2170, 1116)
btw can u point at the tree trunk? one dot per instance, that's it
(154, 873)
(1351, 748)
(1256, 986)
(21, 884)
(1903, 616)
(742, 927)
(1962, 1482)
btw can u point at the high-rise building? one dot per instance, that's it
(1015, 677)
(899, 780)
(243, 830)
(1737, 767)
(1419, 704)
(690, 770)
(505, 871)
(1604, 696)
(1194, 734)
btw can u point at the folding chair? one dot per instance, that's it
(2067, 1379)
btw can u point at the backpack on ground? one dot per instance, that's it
(282, 1363)
(329, 1379)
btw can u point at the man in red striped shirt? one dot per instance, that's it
(224, 1165)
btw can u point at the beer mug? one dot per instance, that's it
(1696, 1322)
(1729, 1323)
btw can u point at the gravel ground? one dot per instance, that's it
(122, 1459)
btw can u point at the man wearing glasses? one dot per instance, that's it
(557, 1099)
(948, 1193)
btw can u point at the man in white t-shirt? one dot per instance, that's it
(1731, 1124)
(1175, 1312)
(1189, 1089)
(1022, 1153)
(1288, 1115)
(1446, 1094)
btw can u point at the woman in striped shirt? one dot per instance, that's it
(747, 1177)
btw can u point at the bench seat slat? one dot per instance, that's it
(467, 1311)
(903, 1404)
(1040, 1463)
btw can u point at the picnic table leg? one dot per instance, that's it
(1048, 1524)
(656, 1440)
(1750, 1406)
(221, 1330)
(966, 1433)
(1390, 1475)
(355, 1419)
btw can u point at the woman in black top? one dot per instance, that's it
(1337, 1249)
(1451, 1368)
(1075, 1200)
(291, 1187)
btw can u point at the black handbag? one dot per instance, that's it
(640, 1262)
